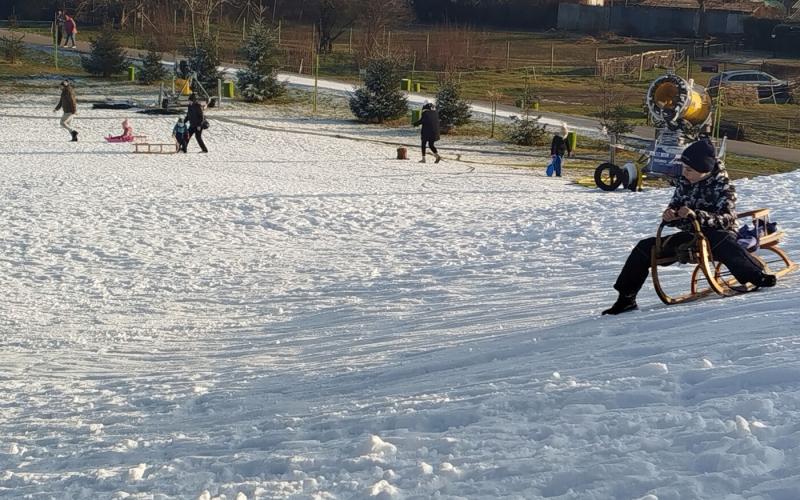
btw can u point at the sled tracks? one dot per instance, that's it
(333, 135)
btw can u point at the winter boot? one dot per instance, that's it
(422, 160)
(74, 136)
(438, 158)
(766, 280)
(623, 304)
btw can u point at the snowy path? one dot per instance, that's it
(295, 316)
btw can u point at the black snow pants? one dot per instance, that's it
(744, 267)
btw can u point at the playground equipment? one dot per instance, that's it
(184, 84)
(682, 112)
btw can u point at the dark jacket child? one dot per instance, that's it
(704, 192)
(558, 149)
(181, 134)
(429, 119)
(195, 117)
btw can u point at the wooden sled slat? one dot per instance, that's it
(155, 148)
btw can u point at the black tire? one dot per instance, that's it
(608, 176)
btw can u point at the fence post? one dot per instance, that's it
(552, 56)
(316, 80)
(350, 43)
(427, 47)
(508, 54)
(688, 68)
(280, 21)
(788, 131)
(244, 29)
(388, 44)
(641, 65)
(175, 22)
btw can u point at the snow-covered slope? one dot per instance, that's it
(301, 316)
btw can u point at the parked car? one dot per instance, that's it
(768, 86)
(786, 38)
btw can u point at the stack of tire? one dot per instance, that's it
(609, 177)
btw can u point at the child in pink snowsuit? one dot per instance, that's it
(127, 133)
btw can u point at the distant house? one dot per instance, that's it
(663, 17)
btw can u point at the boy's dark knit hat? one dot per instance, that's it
(700, 156)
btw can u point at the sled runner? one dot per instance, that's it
(719, 279)
(158, 148)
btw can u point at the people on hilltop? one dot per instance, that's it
(68, 103)
(195, 116)
(559, 148)
(70, 30)
(704, 193)
(59, 26)
(429, 119)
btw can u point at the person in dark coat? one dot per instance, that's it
(429, 119)
(705, 193)
(60, 19)
(558, 149)
(69, 104)
(195, 117)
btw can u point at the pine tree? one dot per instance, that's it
(204, 61)
(453, 110)
(107, 56)
(380, 98)
(259, 82)
(152, 69)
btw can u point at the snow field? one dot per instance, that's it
(300, 316)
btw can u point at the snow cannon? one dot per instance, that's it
(678, 104)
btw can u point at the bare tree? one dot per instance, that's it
(376, 18)
(335, 17)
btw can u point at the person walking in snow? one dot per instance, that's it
(196, 119)
(70, 29)
(429, 119)
(704, 192)
(558, 149)
(69, 106)
(60, 20)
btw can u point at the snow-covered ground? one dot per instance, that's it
(298, 315)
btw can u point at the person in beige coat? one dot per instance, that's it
(69, 105)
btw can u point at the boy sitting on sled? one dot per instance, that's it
(704, 192)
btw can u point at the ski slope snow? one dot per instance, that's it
(300, 316)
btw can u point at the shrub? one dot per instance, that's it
(380, 98)
(453, 110)
(258, 82)
(107, 56)
(203, 60)
(525, 131)
(11, 47)
(152, 69)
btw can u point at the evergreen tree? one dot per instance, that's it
(204, 60)
(380, 98)
(107, 56)
(152, 69)
(453, 110)
(258, 82)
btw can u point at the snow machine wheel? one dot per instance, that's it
(608, 176)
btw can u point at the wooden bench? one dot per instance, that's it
(155, 148)
(719, 279)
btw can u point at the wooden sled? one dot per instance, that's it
(155, 148)
(717, 276)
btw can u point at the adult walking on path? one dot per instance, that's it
(69, 105)
(430, 130)
(196, 119)
(70, 29)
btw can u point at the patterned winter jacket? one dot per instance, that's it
(713, 200)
